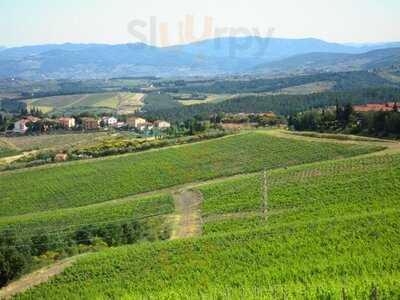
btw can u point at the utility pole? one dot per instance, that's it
(265, 195)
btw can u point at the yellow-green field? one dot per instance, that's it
(310, 88)
(52, 141)
(210, 99)
(7, 148)
(114, 101)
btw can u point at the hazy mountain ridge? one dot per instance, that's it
(267, 48)
(210, 57)
(333, 62)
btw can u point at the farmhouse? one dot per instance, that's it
(135, 121)
(162, 124)
(67, 122)
(21, 125)
(90, 123)
(61, 157)
(145, 127)
(268, 114)
(120, 124)
(110, 121)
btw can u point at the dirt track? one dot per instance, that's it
(36, 278)
(187, 223)
(188, 217)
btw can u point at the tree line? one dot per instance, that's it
(344, 119)
(343, 81)
(279, 104)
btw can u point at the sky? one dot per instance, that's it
(168, 22)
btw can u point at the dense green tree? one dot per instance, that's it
(40, 243)
(15, 256)
(279, 104)
(85, 235)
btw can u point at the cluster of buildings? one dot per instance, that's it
(377, 107)
(143, 125)
(268, 114)
(88, 123)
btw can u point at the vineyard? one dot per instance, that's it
(302, 193)
(62, 222)
(331, 232)
(280, 217)
(88, 182)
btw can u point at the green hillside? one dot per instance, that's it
(65, 221)
(331, 232)
(87, 182)
(194, 219)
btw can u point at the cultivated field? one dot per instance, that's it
(53, 141)
(108, 102)
(331, 232)
(61, 222)
(88, 182)
(309, 88)
(7, 149)
(211, 98)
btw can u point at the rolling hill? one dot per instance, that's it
(42, 189)
(330, 230)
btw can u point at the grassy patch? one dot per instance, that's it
(7, 149)
(54, 141)
(211, 98)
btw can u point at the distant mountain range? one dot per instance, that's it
(333, 62)
(211, 57)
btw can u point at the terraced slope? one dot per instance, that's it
(83, 183)
(332, 232)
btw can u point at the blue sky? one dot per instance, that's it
(27, 22)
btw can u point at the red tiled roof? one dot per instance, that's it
(374, 107)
